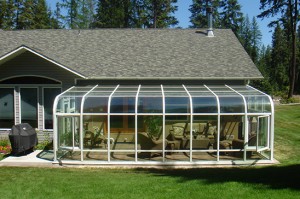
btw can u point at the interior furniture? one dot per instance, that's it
(148, 143)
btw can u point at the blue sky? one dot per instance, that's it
(250, 7)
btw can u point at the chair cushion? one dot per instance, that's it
(178, 130)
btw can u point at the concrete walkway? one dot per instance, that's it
(37, 158)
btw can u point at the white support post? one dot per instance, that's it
(164, 121)
(136, 123)
(191, 122)
(81, 122)
(108, 123)
(219, 122)
(246, 126)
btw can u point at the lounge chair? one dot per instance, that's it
(148, 143)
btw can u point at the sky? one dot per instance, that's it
(250, 7)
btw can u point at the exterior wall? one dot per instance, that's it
(42, 136)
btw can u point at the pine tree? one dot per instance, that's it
(199, 15)
(264, 63)
(7, 15)
(280, 60)
(255, 40)
(158, 13)
(231, 15)
(42, 15)
(26, 14)
(289, 12)
(112, 14)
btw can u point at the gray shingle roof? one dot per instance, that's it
(139, 53)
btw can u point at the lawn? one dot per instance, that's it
(279, 181)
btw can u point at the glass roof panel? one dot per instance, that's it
(95, 104)
(69, 104)
(150, 91)
(150, 99)
(205, 104)
(257, 102)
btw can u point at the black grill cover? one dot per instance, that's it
(22, 138)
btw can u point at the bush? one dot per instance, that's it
(5, 146)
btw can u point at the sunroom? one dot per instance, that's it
(163, 125)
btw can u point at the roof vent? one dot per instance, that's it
(209, 11)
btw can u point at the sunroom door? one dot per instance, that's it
(263, 133)
(68, 132)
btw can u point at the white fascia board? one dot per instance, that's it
(24, 48)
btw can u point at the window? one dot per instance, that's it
(7, 119)
(29, 101)
(49, 96)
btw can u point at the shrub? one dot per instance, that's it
(5, 146)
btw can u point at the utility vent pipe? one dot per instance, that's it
(209, 11)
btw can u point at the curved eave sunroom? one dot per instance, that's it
(163, 124)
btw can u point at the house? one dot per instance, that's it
(109, 88)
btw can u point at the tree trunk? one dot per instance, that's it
(294, 19)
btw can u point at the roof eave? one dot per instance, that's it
(175, 78)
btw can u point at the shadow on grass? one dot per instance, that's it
(275, 177)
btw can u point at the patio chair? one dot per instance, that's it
(148, 143)
(88, 139)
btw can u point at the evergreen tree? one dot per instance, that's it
(231, 15)
(79, 13)
(199, 15)
(42, 15)
(113, 14)
(280, 60)
(26, 14)
(158, 13)
(7, 14)
(264, 64)
(71, 7)
(289, 12)
(250, 37)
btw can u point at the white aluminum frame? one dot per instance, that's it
(189, 114)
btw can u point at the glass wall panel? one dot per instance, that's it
(95, 156)
(95, 105)
(232, 134)
(150, 139)
(29, 103)
(7, 119)
(262, 132)
(177, 137)
(68, 128)
(49, 96)
(95, 132)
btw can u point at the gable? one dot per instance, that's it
(26, 63)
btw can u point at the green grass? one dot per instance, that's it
(277, 181)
